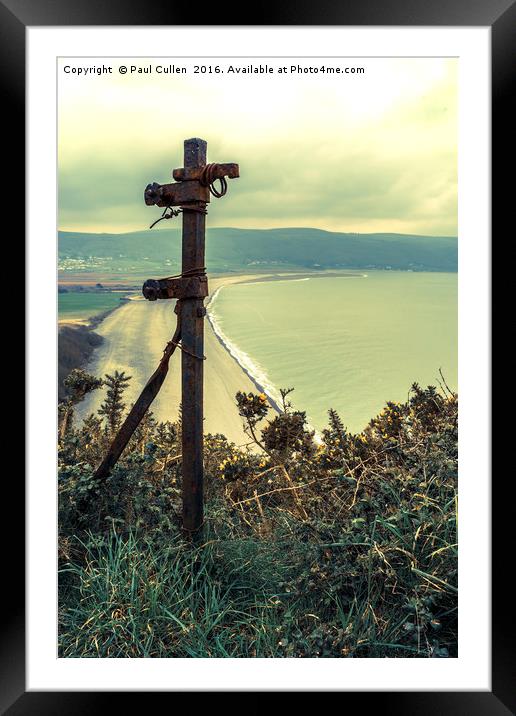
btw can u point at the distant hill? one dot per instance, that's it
(237, 249)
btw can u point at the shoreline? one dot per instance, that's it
(226, 344)
(77, 342)
(260, 388)
(133, 339)
(233, 350)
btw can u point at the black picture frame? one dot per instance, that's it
(500, 16)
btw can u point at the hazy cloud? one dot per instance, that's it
(375, 154)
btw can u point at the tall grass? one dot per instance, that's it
(137, 599)
(347, 549)
(132, 597)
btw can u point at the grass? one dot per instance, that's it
(136, 599)
(132, 597)
(351, 552)
(84, 305)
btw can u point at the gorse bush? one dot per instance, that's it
(113, 406)
(338, 545)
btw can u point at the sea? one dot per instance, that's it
(349, 342)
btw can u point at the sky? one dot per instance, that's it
(355, 153)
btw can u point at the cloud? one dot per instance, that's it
(376, 155)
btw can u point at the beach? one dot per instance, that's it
(260, 338)
(134, 337)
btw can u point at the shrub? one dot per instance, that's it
(340, 545)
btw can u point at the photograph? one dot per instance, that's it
(258, 279)
(257, 357)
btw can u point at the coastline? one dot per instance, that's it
(77, 341)
(244, 361)
(229, 348)
(132, 339)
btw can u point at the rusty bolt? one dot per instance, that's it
(152, 193)
(150, 289)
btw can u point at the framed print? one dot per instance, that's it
(258, 422)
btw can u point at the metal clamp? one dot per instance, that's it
(183, 287)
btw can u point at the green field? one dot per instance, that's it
(74, 305)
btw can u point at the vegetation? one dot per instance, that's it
(77, 385)
(113, 406)
(76, 344)
(341, 545)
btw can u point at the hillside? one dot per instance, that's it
(342, 549)
(237, 249)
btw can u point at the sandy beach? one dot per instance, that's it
(134, 337)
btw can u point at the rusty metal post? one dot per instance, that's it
(191, 192)
(192, 338)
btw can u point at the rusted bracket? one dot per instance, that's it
(188, 188)
(186, 287)
(176, 194)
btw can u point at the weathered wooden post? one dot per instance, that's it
(191, 192)
(192, 339)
